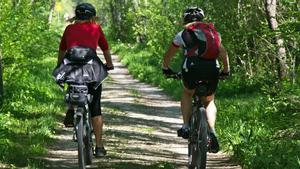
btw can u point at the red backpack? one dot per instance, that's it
(195, 46)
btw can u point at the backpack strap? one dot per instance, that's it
(193, 43)
(195, 39)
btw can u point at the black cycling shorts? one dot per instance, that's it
(95, 105)
(200, 70)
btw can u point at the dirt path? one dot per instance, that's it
(140, 130)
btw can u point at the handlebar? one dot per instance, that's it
(179, 76)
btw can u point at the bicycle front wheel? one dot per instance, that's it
(79, 135)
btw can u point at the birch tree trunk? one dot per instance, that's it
(116, 9)
(1, 80)
(270, 8)
(51, 11)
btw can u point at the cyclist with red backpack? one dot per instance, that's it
(202, 46)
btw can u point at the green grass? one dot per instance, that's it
(29, 111)
(258, 122)
(252, 132)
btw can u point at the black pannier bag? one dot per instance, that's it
(78, 69)
(80, 54)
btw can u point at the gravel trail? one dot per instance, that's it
(140, 130)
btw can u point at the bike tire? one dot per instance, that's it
(203, 128)
(198, 148)
(88, 145)
(80, 142)
(192, 146)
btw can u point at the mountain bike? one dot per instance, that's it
(78, 97)
(198, 135)
(198, 139)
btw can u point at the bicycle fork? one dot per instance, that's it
(77, 116)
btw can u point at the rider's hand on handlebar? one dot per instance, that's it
(108, 68)
(168, 72)
(223, 75)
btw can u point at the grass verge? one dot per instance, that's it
(29, 111)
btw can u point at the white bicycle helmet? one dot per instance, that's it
(192, 14)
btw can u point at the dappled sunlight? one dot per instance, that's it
(156, 118)
(140, 129)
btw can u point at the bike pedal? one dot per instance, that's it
(74, 139)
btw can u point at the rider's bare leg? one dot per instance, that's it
(211, 111)
(186, 104)
(97, 123)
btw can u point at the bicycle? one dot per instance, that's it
(78, 97)
(198, 135)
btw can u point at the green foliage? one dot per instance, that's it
(30, 97)
(258, 115)
(242, 24)
(143, 65)
(259, 125)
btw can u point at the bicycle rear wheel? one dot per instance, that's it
(193, 147)
(198, 146)
(79, 135)
(88, 142)
(203, 138)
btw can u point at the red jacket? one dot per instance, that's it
(87, 34)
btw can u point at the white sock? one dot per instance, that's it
(212, 130)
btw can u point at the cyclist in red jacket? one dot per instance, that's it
(194, 69)
(85, 32)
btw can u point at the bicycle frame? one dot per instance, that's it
(78, 97)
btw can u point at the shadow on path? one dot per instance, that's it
(139, 132)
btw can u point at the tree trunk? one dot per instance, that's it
(51, 11)
(1, 79)
(115, 7)
(270, 8)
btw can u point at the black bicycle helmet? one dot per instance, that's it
(192, 14)
(85, 11)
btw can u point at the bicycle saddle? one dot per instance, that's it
(202, 88)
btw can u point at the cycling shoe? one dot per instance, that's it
(213, 143)
(100, 152)
(68, 121)
(183, 132)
